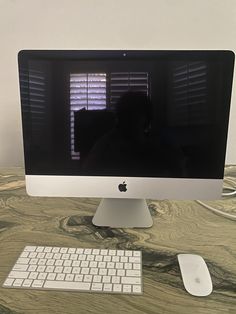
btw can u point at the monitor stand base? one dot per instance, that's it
(123, 213)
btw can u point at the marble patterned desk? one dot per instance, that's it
(179, 227)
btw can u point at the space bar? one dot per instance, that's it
(67, 285)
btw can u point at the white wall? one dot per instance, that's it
(104, 24)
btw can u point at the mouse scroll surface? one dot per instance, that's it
(195, 274)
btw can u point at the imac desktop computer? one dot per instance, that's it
(125, 126)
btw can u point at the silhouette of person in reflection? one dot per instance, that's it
(133, 111)
(126, 146)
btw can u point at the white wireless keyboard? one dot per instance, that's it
(77, 269)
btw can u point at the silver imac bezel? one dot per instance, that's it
(152, 188)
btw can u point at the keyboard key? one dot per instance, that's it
(57, 256)
(117, 288)
(33, 261)
(84, 264)
(95, 252)
(94, 271)
(85, 271)
(76, 270)
(67, 285)
(37, 283)
(111, 272)
(55, 250)
(79, 277)
(119, 265)
(90, 257)
(115, 279)
(30, 248)
(33, 275)
(107, 258)
(134, 260)
(102, 271)
(97, 278)
(126, 288)
(8, 282)
(47, 249)
(27, 283)
(101, 264)
(76, 263)
(41, 269)
(18, 274)
(110, 265)
(106, 279)
(60, 276)
(136, 266)
(41, 255)
(32, 254)
(69, 277)
(120, 253)
(137, 289)
(22, 260)
(58, 269)
(98, 258)
(88, 278)
(19, 267)
(96, 286)
(120, 272)
(128, 266)
(59, 262)
(128, 253)
(67, 270)
(17, 283)
(74, 257)
(115, 259)
(107, 287)
(49, 269)
(104, 252)
(124, 259)
(82, 257)
(52, 276)
(79, 251)
(40, 249)
(71, 250)
(131, 280)
(50, 262)
(63, 250)
(93, 264)
(131, 273)
(42, 276)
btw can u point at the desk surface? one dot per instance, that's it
(179, 227)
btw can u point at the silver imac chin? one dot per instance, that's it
(125, 126)
(123, 204)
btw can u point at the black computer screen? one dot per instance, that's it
(125, 113)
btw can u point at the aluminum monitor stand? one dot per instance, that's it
(123, 213)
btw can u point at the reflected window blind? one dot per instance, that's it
(32, 87)
(189, 93)
(88, 91)
(121, 82)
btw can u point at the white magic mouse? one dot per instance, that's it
(195, 274)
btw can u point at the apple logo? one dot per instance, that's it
(122, 187)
